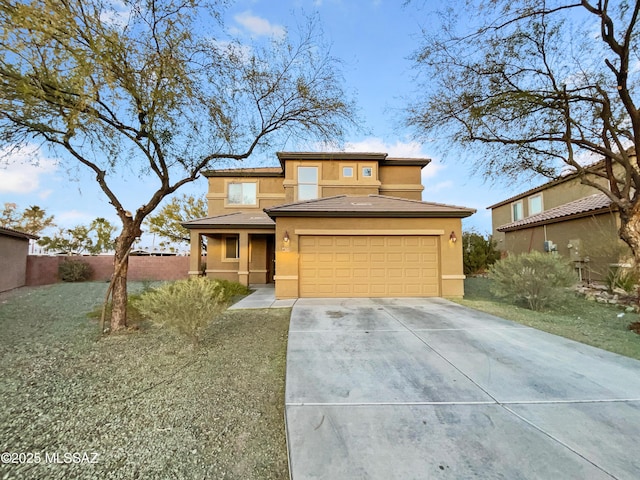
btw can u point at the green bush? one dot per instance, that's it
(478, 253)
(74, 271)
(186, 305)
(534, 279)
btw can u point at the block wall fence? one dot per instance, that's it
(43, 270)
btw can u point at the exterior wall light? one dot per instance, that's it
(286, 237)
(452, 237)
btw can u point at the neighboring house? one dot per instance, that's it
(331, 225)
(14, 248)
(563, 216)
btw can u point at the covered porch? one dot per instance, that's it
(239, 247)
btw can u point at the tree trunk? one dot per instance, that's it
(119, 280)
(630, 230)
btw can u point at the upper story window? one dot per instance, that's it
(367, 171)
(307, 183)
(242, 194)
(516, 211)
(535, 204)
(347, 171)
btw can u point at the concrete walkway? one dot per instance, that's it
(424, 388)
(263, 297)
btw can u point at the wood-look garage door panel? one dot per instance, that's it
(368, 266)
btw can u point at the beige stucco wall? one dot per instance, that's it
(596, 237)
(401, 181)
(287, 253)
(269, 192)
(13, 262)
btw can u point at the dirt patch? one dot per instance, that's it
(635, 327)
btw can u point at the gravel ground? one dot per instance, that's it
(140, 405)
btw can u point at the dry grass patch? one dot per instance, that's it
(149, 404)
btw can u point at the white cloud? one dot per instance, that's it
(447, 184)
(71, 218)
(259, 26)
(20, 172)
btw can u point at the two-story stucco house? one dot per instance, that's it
(331, 225)
(563, 216)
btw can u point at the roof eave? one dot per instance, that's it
(229, 225)
(457, 214)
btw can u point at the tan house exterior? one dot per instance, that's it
(331, 225)
(564, 216)
(14, 248)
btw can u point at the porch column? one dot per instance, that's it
(243, 261)
(195, 253)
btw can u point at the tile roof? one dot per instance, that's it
(592, 203)
(233, 220)
(368, 206)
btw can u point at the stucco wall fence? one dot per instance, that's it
(43, 270)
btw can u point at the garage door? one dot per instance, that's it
(368, 266)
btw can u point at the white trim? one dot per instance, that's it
(368, 232)
(453, 277)
(285, 277)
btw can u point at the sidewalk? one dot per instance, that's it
(264, 296)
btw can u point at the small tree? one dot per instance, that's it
(478, 253)
(32, 220)
(168, 221)
(535, 279)
(95, 238)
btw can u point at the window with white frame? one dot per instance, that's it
(231, 247)
(347, 171)
(535, 204)
(517, 212)
(367, 171)
(307, 183)
(242, 193)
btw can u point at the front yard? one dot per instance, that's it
(140, 405)
(599, 325)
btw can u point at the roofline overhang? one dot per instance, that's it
(575, 216)
(405, 162)
(241, 172)
(18, 234)
(228, 226)
(317, 214)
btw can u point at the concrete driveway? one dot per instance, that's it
(424, 388)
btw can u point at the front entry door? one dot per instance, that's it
(271, 258)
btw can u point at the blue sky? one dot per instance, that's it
(374, 39)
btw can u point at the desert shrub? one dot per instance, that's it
(478, 253)
(623, 278)
(186, 305)
(534, 279)
(232, 289)
(74, 271)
